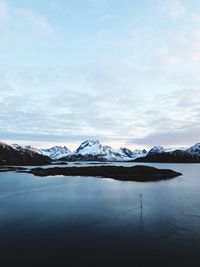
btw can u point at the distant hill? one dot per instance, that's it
(177, 156)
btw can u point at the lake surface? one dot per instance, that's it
(87, 221)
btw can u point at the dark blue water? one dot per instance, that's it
(86, 221)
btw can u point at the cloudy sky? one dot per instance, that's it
(125, 72)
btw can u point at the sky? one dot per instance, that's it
(124, 72)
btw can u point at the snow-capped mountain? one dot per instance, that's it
(156, 150)
(90, 147)
(177, 156)
(160, 149)
(4, 145)
(33, 149)
(26, 149)
(127, 152)
(55, 152)
(133, 154)
(93, 150)
(139, 153)
(96, 151)
(194, 149)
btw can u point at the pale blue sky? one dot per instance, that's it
(125, 72)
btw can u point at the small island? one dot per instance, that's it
(135, 173)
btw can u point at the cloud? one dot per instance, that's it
(85, 106)
(180, 40)
(162, 50)
(188, 137)
(118, 96)
(35, 110)
(174, 120)
(195, 17)
(54, 5)
(172, 60)
(174, 9)
(38, 21)
(99, 4)
(3, 11)
(195, 56)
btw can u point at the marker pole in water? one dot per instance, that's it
(141, 201)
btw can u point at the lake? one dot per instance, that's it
(87, 221)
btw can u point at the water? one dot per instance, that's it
(86, 221)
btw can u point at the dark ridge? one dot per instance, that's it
(20, 157)
(177, 156)
(10, 169)
(135, 173)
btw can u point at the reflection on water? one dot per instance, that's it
(141, 224)
(85, 221)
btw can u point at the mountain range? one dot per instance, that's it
(181, 155)
(93, 150)
(54, 153)
(177, 156)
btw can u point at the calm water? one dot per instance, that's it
(85, 221)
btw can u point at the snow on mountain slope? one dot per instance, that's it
(98, 151)
(90, 147)
(160, 149)
(95, 148)
(127, 152)
(55, 152)
(194, 149)
(155, 150)
(25, 149)
(4, 145)
(33, 149)
(88, 150)
(137, 153)
(133, 154)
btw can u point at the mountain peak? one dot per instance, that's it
(90, 147)
(196, 145)
(194, 149)
(155, 150)
(90, 142)
(3, 144)
(56, 152)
